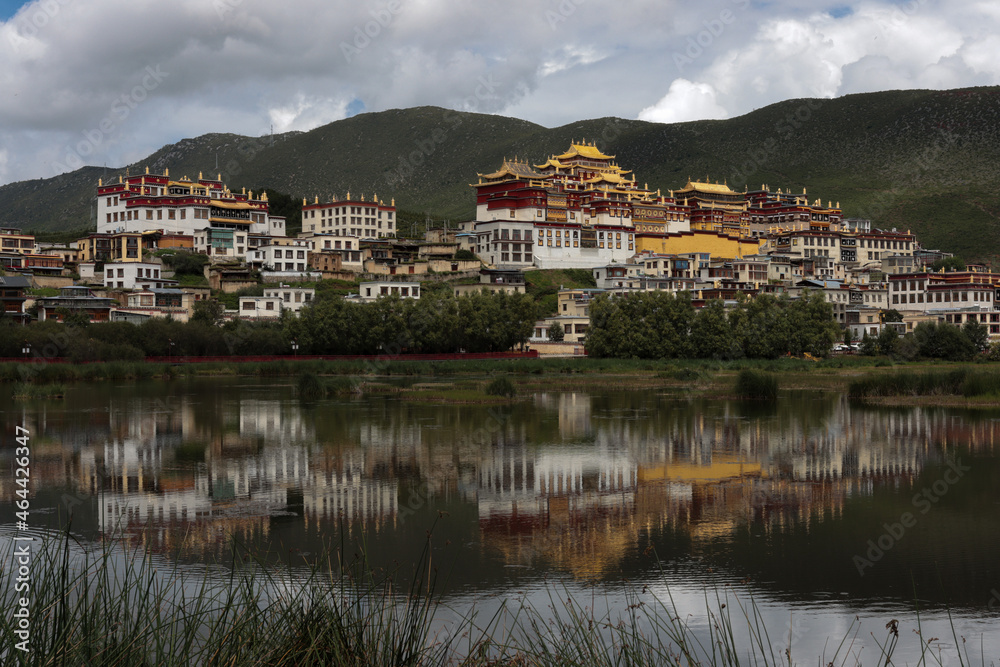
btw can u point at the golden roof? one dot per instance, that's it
(583, 150)
(514, 168)
(551, 162)
(222, 203)
(713, 188)
(607, 177)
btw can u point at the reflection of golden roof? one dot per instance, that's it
(707, 530)
(514, 168)
(585, 548)
(717, 470)
(582, 150)
(712, 188)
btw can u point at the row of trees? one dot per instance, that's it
(930, 340)
(661, 325)
(437, 323)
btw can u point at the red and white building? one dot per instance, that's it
(184, 207)
(350, 217)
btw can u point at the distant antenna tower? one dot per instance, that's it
(272, 134)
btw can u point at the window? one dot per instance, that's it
(269, 305)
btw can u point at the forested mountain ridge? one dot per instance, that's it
(928, 161)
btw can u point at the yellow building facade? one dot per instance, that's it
(717, 245)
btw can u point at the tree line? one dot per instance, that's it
(931, 340)
(662, 325)
(439, 322)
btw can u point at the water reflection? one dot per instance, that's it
(594, 485)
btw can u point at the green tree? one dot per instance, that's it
(711, 336)
(869, 345)
(943, 341)
(556, 333)
(187, 263)
(887, 341)
(978, 334)
(892, 315)
(208, 311)
(463, 254)
(948, 264)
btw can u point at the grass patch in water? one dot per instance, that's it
(754, 385)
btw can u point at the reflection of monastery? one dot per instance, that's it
(577, 483)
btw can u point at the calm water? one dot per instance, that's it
(820, 510)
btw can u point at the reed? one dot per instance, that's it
(754, 385)
(967, 382)
(25, 390)
(116, 606)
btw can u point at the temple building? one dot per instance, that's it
(577, 210)
(350, 217)
(182, 207)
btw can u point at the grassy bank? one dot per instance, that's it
(355, 376)
(966, 382)
(118, 607)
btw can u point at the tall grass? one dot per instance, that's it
(28, 390)
(756, 385)
(121, 608)
(967, 382)
(116, 607)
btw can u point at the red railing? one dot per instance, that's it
(178, 359)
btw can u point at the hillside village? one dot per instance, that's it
(163, 244)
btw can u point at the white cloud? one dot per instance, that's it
(240, 65)
(684, 101)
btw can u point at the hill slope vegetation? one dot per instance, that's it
(928, 161)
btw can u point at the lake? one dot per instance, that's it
(814, 511)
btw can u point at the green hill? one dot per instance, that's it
(928, 161)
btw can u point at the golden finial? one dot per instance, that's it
(316, 201)
(147, 170)
(304, 201)
(393, 201)
(100, 182)
(166, 172)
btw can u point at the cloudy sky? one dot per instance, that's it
(109, 81)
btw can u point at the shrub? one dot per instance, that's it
(756, 385)
(310, 387)
(501, 386)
